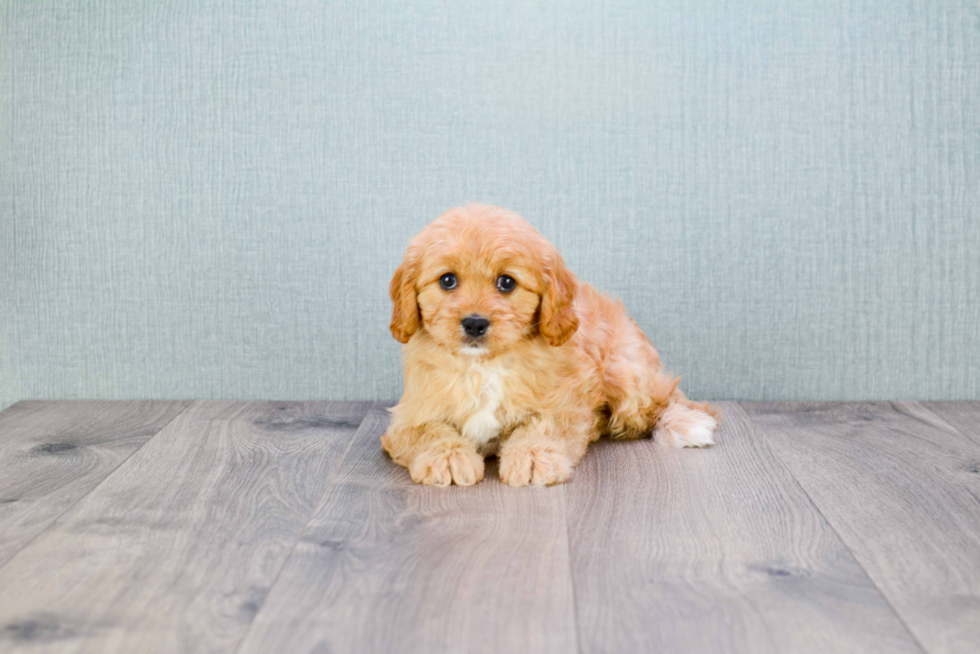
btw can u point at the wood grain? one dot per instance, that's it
(391, 566)
(714, 550)
(901, 487)
(275, 527)
(177, 549)
(963, 416)
(53, 453)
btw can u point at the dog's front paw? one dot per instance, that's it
(683, 426)
(444, 463)
(539, 464)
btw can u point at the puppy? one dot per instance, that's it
(507, 353)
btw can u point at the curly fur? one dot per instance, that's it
(560, 366)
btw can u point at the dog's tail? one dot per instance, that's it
(687, 424)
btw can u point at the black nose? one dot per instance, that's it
(475, 325)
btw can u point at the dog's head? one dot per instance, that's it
(479, 279)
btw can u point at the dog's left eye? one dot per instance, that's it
(506, 284)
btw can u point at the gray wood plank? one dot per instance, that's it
(53, 453)
(900, 487)
(391, 566)
(176, 550)
(963, 416)
(715, 550)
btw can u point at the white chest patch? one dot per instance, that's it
(482, 425)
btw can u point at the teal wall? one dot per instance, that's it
(207, 200)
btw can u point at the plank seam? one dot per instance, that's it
(306, 528)
(925, 407)
(187, 405)
(844, 543)
(571, 572)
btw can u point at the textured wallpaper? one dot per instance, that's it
(207, 199)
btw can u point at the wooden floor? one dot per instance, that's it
(282, 527)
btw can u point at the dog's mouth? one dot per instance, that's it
(474, 349)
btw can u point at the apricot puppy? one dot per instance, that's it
(507, 353)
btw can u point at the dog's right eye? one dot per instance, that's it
(448, 282)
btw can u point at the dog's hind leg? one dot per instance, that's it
(638, 400)
(644, 400)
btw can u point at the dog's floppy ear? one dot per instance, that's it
(405, 306)
(558, 319)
